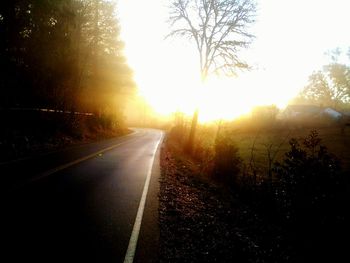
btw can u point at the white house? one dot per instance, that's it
(332, 113)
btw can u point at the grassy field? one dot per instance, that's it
(258, 145)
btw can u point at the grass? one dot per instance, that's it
(256, 144)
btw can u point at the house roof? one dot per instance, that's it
(310, 109)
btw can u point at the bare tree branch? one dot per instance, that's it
(219, 29)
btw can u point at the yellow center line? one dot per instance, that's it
(67, 165)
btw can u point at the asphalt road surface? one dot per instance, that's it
(84, 211)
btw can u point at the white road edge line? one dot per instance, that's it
(130, 253)
(64, 166)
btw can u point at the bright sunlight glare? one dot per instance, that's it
(292, 37)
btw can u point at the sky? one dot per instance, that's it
(292, 37)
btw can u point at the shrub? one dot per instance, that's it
(308, 179)
(178, 133)
(227, 163)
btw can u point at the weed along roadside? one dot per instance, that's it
(218, 212)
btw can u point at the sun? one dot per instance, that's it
(215, 98)
(167, 71)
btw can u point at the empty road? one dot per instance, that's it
(82, 207)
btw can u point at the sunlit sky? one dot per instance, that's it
(292, 37)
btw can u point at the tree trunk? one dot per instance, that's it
(190, 142)
(218, 130)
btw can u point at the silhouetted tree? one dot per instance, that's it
(104, 70)
(219, 29)
(318, 91)
(329, 86)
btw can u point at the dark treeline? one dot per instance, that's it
(62, 55)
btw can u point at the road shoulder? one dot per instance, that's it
(148, 244)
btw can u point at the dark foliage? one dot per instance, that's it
(61, 55)
(312, 199)
(227, 163)
(308, 185)
(306, 196)
(309, 179)
(31, 132)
